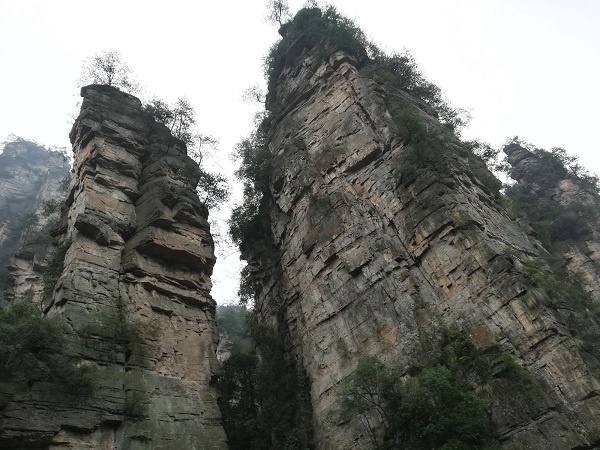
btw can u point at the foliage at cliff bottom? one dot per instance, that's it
(264, 398)
(430, 410)
(443, 405)
(30, 346)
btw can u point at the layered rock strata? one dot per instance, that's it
(364, 253)
(31, 186)
(133, 295)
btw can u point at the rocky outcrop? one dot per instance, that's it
(576, 200)
(367, 250)
(31, 185)
(133, 295)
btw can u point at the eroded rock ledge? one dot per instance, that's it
(134, 295)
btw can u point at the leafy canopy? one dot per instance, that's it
(429, 410)
(322, 27)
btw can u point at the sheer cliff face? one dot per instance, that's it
(369, 254)
(30, 177)
(133, 294)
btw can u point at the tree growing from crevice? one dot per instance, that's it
(254, 170)
(180, 119)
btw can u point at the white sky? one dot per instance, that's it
(524, 67)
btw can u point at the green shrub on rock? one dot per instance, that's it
(430, 410)
(30, 350)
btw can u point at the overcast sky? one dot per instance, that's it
(523, 67)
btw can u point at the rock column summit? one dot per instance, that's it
(133, 295)
(365, 253)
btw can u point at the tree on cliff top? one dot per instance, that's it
(110, 69)
(278, 11)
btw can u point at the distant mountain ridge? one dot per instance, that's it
(33, 181)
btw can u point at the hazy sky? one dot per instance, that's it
(523, 67)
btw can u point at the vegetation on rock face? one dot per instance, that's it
(534, 194)
(180, 119)
(551, 282)
(444, 405)
(401, 71)
(54, 267)
(552, 166)
(22, 224)
(327, 31)
(22, 227)
(493, 374)
(428, 143)
(320, 27)
(330, 31)
(254, 172)
(30, 346)
(264, 402)
(246, 289)
(429, 410)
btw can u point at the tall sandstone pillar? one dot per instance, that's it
(368, 251)
(134, 294)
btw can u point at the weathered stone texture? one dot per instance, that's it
(30, 177)
(134, 294)
(368, 257)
